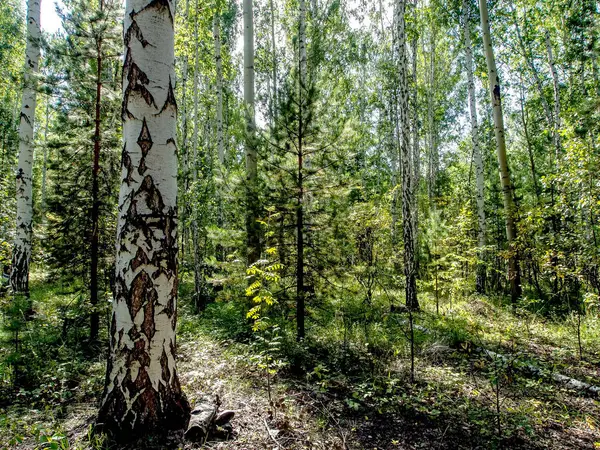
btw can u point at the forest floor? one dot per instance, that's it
(461, 398)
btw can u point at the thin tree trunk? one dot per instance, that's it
(184, 149)
(219, 83)
(416, 155)
(95, 315)
(19, 278)
(45, 158)
(199, 297)
(184, 144)
(405, 158)
(557, 122)
(302, 62)
(514, 274)
(479, 170)
(252, 230)
(433, 151)
(274, 100)
(142, 393)
(528, 141)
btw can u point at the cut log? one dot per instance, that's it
(201, 420)
(205, 422)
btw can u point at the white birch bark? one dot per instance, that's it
(514, 275)
(405, 157)
(556, 88)
(416, 153)
(45, 163)
(274, 102)
(19, 279)
(219, 86)
(477, 156)
(253, 239)
(142, 392)
(199, 300)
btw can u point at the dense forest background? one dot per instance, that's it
(387, 220)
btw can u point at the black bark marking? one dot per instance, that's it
(127, 164)
(140, 259)
(113, 331)
(134, 31)
(145, 143)
(148, 325)
(164, 364)
(158, 5)
(24, 116)
(150, 195)
(170, 101)
(497, 93)
(140, 288)
(136, 82)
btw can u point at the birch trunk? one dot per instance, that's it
(274, 102)
(302, 61)
(95, 316)
(405, 159)
(252, 230)
(19, 278)
(45, 158)
(142, 393)
(184, 149)
(433, 151)
(199, 297)
(479, 172)
(219, 85)
(416, 155)
(514, 274)
(555, 84)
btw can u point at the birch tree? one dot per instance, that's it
(252, 230)
(302, 61)
(477, 156)
(142, 393)
(405, 157)
(219, 87)
(514, 274)
(19, 278)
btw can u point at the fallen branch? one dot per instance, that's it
(566, 381)
(270, 435)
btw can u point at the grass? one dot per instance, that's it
(346, 386)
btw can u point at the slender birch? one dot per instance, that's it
(94, 248)
(19, 278)
(199, 299)
(274, 101)
(514, 274)
(556, 89)
(219, 87)
(477, 155)
(416, 152)
(405, 158)
(302, 63)
(252, 230)
(142, 392)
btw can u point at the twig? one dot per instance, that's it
(269, 433)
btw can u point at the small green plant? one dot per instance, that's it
(267, 353)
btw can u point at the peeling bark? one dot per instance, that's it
(142, 393)
(21, 257)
